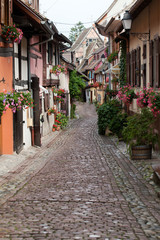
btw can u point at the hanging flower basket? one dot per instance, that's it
(12, 33)
(113, 56)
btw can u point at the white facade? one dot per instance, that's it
(64, 84)
(46, 126)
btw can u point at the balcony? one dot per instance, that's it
(50, 82)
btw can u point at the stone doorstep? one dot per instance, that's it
(156, 174)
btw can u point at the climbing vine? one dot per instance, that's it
(122, 65)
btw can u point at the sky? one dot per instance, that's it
(66, 13)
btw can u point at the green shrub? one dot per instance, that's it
(106, 113)
(73, 109)
(62, 119)
(117, 124)
(139, 129)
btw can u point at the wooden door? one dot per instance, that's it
(36, 111)
(18, 131)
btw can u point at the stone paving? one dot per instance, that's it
(83, 188)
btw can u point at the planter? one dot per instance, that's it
(53, 129)
(141, 152)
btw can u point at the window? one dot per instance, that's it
(5, 6)
(154, 62)
(50, 53)
(19, 61)
(46, 102)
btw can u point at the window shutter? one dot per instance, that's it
(157, 45)
(40, 105)
(10, 13)
(139, 66)
(151, 64)
(144, 51)
(128, 67)
(46, 105)
(133, 67)
(2, 11)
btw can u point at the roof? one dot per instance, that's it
(104, 66)
(138, 7)
(82, 36)
(91, 66)
(89, 49)
(114, 15)
(32, 22)
(99, 49)
(106, 12)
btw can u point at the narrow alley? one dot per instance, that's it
(87, 189)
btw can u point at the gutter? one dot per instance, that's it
(39, 43)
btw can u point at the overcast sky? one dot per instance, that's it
(66, 13)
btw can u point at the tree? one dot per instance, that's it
(76, 84)
(75, 31)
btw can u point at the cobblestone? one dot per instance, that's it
(82, 186)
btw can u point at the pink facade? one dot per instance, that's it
(36, 60)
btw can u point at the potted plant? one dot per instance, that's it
(51, 111)
(139, 134)
(58, 69)
(54, 127)
(113, 56)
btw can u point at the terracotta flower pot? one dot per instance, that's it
(58, 128)
(53, 129)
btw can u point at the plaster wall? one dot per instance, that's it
(26, 130)
(6, 126)
(46, 126)
(147, 20)
(36, 63)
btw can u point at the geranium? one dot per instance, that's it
(58, 122)
(60, 91)
(126, 94)
(111, 93)
(12, 33)
(143, 97)
(154, 103)
(54, 126)
(58, 69)
(15, 101)
(149, 98)
(113, 56)
(51, 111)
(59, 99)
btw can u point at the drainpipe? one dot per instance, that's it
(39, 43)
(109, 64)
(29, 70)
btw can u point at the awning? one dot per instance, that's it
(114, 70)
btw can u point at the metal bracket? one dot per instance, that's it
(3, 80)
(142, 36)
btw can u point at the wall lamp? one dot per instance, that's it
(127, 23)
(103, 58)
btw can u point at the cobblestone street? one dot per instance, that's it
(86, 188)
